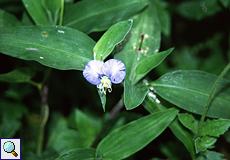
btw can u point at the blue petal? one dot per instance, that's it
(93, 72)
(115, 69)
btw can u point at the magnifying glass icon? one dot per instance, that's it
(9, 147)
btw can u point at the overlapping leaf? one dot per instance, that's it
(190, 90)
(111, 38)
(90, 15)
(53, 46)
(135, 135)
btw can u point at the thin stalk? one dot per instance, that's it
(61, 13)
(45, 112)
(112, 115)
(210, 99)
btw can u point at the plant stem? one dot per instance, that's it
(45, 112)
(112, 115)
(61, 13)
(210, 99)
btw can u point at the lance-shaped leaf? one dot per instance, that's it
(152, 105)
(111, 38)
(147, 64)
(36, 11)
(53, 46)
(190, 90)
(135, 135)
(98, 15)
(132, 137)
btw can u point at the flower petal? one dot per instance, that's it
(115, 69)
(93, 72)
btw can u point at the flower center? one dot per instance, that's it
(105, 83)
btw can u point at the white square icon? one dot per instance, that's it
(10, 148)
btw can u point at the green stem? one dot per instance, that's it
(61, 13)
(210, 99)
(112, 115)
(45, 112)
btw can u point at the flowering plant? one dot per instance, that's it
(165, 100)
(102, 74)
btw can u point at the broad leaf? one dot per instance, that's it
(190, 90)
(53, 46)
(111, 38)
(132, 137)
(134, 94)
(36, 11)
(19, 75)
(90, 15)
(81, 154)
(142, 42)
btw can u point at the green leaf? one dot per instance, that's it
(52, 9)
(178, 130)
(188, 121)
(102, 98)
(19, 75)
(204, 143)
(134, 94)
(123, 142)
(142, 42)
(184, 136)
(8, 20)
(36, 11)
(215, 127)
(90, 15)
(147, 64)
(26, 20)
(81, 154)
(111, 38)
(212, 155)
(66, 140)
(53, 46)
(164, 16)
(85, 127)
(190, 90)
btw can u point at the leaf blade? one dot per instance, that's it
(53, 46)
(193, 89)
(122, 142)
(111, 38)
(88, 16)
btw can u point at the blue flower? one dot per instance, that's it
(104, 74)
